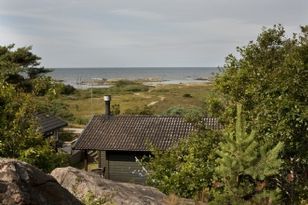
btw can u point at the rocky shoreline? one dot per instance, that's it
(106, 83)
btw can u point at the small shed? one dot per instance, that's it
(124, 139)
(50, 125)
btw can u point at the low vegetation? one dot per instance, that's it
(153, 100)
(260, 97)
(91, 199)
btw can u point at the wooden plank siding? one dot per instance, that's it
(103, 163)
(122, 166)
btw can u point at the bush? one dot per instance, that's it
(81, 120)
(187, 95)
(66, 136)
(68, 90)
(146, 110)
(57, 108)
(186, 169)
(136, 88)
(175, 110)
(122, 83)
(44, 157)
(130, 86)
(115, 109)
(188, 113)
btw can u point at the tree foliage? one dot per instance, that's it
(270, 80)
(20, 66)
(245, 167)
(19, 135)
(20, 84)
(187, 168)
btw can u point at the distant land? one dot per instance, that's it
(81, 77)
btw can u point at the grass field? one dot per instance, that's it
(134, 96)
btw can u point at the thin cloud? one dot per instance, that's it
(148, 15)
(141, 33)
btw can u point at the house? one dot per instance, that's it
(50, 125)
(123, 140)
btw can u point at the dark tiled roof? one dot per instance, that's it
(49, 123)
(136, 133)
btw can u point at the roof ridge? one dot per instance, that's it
(127, 132)
(169, 116)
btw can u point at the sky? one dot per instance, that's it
(141, 33)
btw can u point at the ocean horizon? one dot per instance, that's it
(82, 77)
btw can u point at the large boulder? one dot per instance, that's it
(86, 185)
(23, 184)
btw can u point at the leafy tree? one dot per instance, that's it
(7, 65)
(49, 100)
(245, 167)
(21, 81)
(186, 169)
(19, 136)
(270, 80)
(55, 107)
(20, 66)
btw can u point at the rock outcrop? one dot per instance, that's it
(23, 184)
(85, 184)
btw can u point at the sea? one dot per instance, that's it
(84, 77)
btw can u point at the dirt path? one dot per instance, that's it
(142, 95)
(154, 102)
(161, 98)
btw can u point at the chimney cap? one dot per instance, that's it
(107, 98)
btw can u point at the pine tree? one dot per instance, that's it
(244, 167)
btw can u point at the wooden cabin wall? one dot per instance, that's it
(122, 166)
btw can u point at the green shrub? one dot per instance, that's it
(115, 109)
(68, 90)
(44, 157)
(136, 88)
(186, 169)
(66, 136)
(183, 111)
(122, 83)
(56, 107)
(146, 110)
(187, 95)
(81, 120)
(98, 91)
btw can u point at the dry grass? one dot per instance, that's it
(164, 96)
(173, 199)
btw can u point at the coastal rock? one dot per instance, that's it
(21, 184)
(90, 185)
